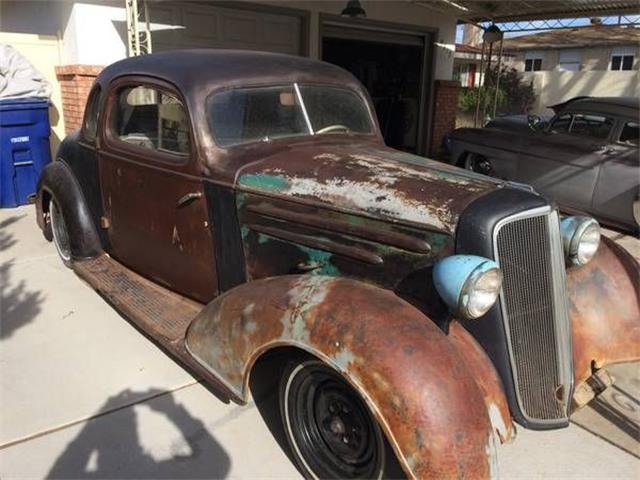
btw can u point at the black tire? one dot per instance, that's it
(329, 428)
(59, 232)
(478, 163)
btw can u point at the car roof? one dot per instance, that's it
(202, 70)
(625, 106)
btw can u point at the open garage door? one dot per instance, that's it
(178, 25)
(393, 64)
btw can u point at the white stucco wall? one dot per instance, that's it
(94, 35)
(553, 87)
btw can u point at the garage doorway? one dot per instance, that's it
(393, 66)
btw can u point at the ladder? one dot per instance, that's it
(138, 33)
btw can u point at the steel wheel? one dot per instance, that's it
(479, 164)
(60, 234)
(329, 428)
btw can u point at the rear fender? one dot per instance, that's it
(414, 378)
(57, 181)
(604, 310)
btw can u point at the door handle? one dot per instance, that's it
(188, 198)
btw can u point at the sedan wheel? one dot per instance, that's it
(60, 234)
(329, 428)
(479, 164)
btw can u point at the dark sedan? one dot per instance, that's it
(585, 157)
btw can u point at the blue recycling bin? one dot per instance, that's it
(24, 148)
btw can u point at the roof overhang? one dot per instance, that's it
(502, 11)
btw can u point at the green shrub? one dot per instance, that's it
(514, 95)
(468, 98)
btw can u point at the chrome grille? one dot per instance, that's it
(535, 313)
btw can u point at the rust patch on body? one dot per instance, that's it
(377, 181)
(419, 386)
(604, 310)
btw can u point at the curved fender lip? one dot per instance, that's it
(411, 375)
(60, 182)
(604, 310)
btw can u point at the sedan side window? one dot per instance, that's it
(562, 123)
(152, 119)
(594, 126)
(630, 134)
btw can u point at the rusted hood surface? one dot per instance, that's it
(370, 179)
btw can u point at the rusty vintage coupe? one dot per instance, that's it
(242, 210)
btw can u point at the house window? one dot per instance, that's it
(622, 58)
(569, 60)
(533, 61)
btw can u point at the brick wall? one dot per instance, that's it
(75, 84)
(444, 114)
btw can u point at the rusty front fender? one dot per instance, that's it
(604, 310)
(417, 381)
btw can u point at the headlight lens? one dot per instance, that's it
(480, 293)
(581, 238)
(468, 284)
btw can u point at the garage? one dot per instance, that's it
(197, 25)
(392, 61)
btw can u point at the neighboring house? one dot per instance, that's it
(595, 60)
(467, 62)
(401, 51)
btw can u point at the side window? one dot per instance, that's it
(533, 61)
(594, 126)
(152, 119)
(630, 134)
(562, 123)
(90, 126)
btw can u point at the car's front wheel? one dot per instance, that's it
(60, 232)
(331, 431)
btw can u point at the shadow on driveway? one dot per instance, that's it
(18, 305)
(109, 447)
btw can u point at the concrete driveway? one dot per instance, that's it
(84, 395)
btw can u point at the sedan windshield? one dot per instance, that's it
(246, 115)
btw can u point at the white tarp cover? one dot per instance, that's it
(18, 78)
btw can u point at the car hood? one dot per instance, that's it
(373, 180)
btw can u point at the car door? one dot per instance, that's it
(153, 197)
(564, 161)
(617, 186)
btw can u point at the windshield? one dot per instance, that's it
(246, 115)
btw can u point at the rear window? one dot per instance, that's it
(594, 126)
(261, 114)
(630, 133)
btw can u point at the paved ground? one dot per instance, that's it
(84, 395)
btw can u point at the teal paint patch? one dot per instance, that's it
(323, 259)
(262, 238)
(240, 199)
(244, 231)
(438, 241)
(263, 181)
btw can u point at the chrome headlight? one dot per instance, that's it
(580, 238)
(468, 284)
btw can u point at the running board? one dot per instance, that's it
(160, 314)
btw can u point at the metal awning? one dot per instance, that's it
(523, 15)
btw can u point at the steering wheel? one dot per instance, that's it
(333, 128)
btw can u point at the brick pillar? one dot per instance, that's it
(445, 107)
(75, 84)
